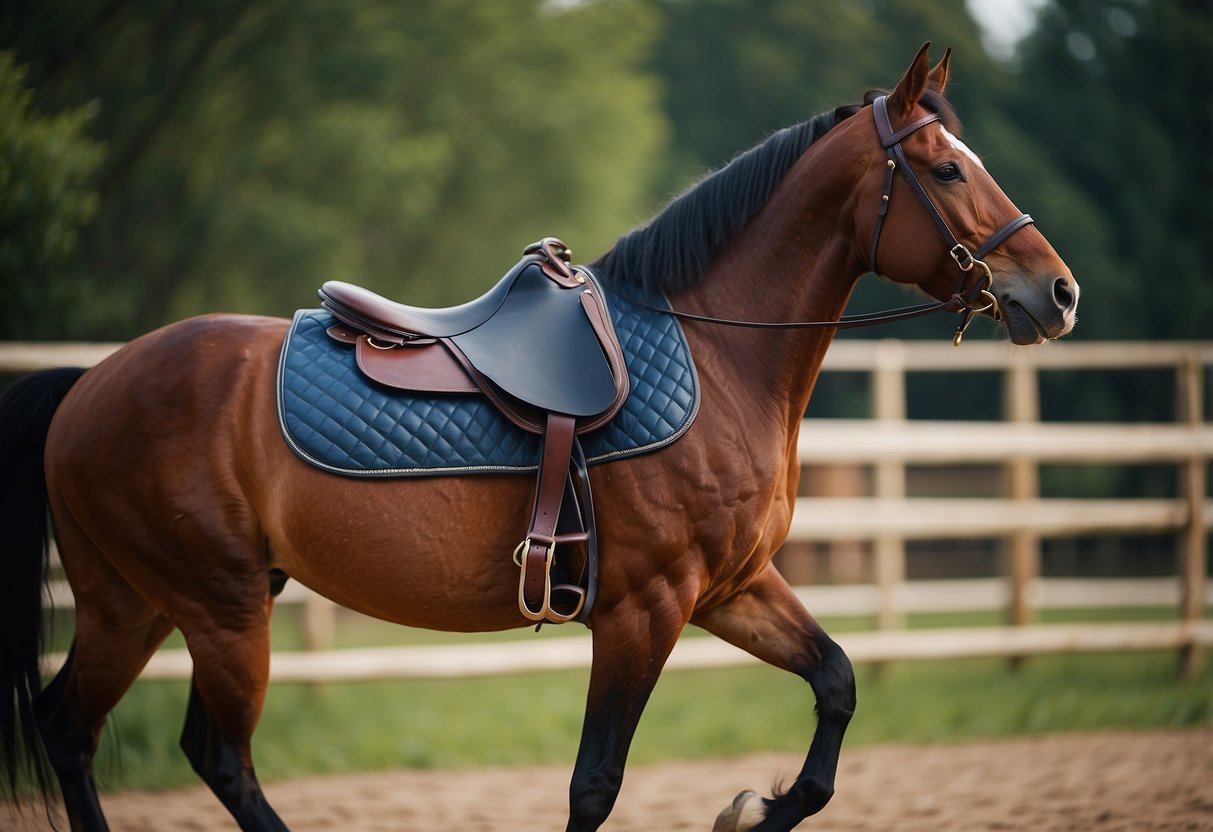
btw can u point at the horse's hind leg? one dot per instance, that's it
(116, 633)
(768, 621)
(231, 673)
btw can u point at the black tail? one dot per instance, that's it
(26, 409)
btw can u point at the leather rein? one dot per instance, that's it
(969, 300)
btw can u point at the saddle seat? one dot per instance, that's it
(540, 345)
(398, 322)
(542, 335)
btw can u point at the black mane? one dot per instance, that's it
(672, 251)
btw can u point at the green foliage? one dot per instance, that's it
(46, 192)
(737, 71)
(260, 148)
(1134, 167)
(1099, 127)
(255, 149)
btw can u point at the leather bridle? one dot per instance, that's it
(964, 299)
(968, 300)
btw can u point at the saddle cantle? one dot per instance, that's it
(540, 345)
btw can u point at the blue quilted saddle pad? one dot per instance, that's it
(336, 419)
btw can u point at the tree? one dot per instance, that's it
(1118, 98)
(259, 148)
(46, 193)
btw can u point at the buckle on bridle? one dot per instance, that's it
(963, 257)
(971, 311)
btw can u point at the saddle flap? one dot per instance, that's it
(421, 368)
(544, 348)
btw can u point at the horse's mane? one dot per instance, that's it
(672, 251)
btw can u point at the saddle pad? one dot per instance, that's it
(336, 419)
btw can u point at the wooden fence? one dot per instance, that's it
(887, 443)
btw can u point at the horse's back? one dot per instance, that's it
(164, 387)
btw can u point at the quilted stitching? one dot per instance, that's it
(334, 417)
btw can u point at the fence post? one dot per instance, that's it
(319, 622)
(1021, 405)
(889, 552)
(1193, 555)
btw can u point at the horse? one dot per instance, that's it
(176, 504)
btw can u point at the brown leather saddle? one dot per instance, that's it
(539, 345)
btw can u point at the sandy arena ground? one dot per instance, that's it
(1158, 780)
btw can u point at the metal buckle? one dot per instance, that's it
(545, 608)
(373, 342)
(959, 251)
(973, 311)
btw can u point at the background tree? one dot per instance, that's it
(1099, 126)
(259, 148)
(46, 164)
(1117, 97)
(255, 149)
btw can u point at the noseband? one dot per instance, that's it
(969, 300)
(964, 299)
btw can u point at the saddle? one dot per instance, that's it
(540, 346)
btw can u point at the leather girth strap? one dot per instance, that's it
(558, 517)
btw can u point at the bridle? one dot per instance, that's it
(969, 300)
(963, 299)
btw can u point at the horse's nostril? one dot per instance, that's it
(1063, 293)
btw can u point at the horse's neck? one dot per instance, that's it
(796, 260)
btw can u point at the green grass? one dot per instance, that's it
(693, 714)
(536, 718)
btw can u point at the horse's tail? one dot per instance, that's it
(26, 409)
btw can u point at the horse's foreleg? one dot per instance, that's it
(768, 621)
(631, 645)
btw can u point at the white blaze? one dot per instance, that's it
(961, 146)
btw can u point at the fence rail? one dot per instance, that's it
(887, 443)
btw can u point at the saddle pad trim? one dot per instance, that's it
(595, 455)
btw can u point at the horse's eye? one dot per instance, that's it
(948, 172)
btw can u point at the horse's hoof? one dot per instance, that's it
(747, 811)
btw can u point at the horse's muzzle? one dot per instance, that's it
(1037, 310)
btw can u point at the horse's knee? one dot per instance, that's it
(833, 682)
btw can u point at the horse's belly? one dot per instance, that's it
(434, 553)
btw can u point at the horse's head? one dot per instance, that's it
(945, 225)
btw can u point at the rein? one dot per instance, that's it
(965, 300)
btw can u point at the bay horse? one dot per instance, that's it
(176, 503)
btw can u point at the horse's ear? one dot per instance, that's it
(910, 88)
(938, 77)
